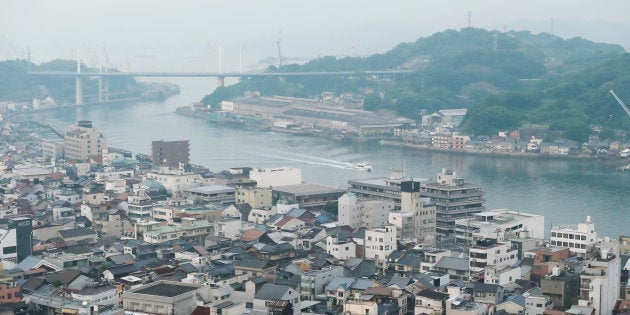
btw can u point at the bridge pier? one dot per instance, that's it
(106, 89)
(221, 81)
(79, 91)
(100, 89)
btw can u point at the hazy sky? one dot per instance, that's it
(184, 35)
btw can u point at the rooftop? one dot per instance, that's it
(211, 189)
(308, 189)
(166, 289)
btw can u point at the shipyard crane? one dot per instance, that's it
(621, 103)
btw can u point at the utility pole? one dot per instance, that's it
(469, 15)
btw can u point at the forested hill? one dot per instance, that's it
(569, 106)
(17, 85)
(466, 68)
(456, 67)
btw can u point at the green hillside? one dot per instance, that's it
(570, 105)
(17, 85)
(506, 78)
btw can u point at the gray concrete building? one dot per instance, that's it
(170, 153)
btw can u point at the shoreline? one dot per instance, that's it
(518, 155)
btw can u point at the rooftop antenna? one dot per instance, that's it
(469, 15)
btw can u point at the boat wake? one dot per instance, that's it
(311, 160)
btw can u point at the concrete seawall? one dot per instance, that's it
(528, 155)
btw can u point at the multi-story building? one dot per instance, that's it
(453, 199)
(599, 282)
(215, 194)
(163, 297)
(576, 237)
(308, 196)
(405, 228)
(175, 180)
(273, 177)
(379, 243)
(17, 241)
(139, 207)
(109, 223)
(10, 292)
(228, 227)
(500, 224)
(386, 188)
(82, 141)
(412, 202)
(312, 283)
(490, 253)
(341, 248)
(53, 150)
(561, 287)
(170, 153)
(188, 228)
(441, 140)
(255, 197)
(364, 213)
(458, 142)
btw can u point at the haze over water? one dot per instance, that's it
(565, 191)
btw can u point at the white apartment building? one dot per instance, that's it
(490, 253)
(599, 282)
(274, 177)
(175, 180)
(52, 150)
(260, 216)
(188, 228)
(576, 237)
(228, 227)
(365, 213)
(405, 228)
(501, 276)
(101, 295)
(500, 224)
(82, 141)
(341, 249)
(379, 243)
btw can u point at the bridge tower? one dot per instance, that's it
(100, 77)
(79, 83)
(220, 79)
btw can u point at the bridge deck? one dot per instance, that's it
(215, 74)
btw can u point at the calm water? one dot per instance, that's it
(563, 191)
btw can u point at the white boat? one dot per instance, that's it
(363, 166)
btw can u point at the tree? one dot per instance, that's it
(332, 207)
